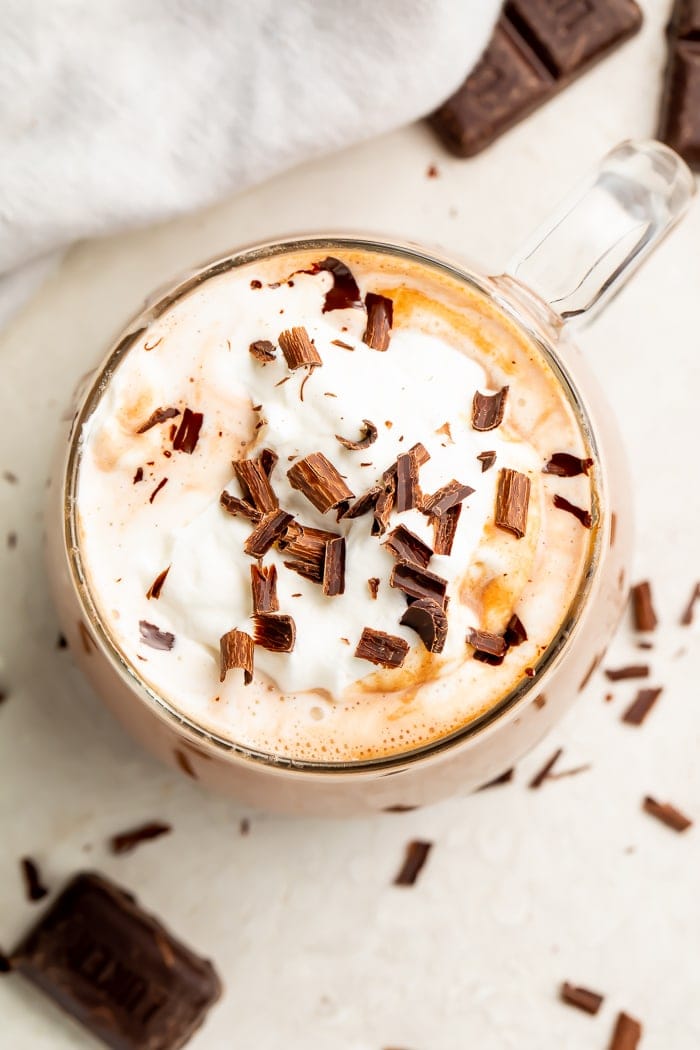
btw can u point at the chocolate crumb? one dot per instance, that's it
(159, 416)
(539, 778)
(643, 607)
(368, 438)
(641, 706)
(564, 465)
(262, 350)
(317, 478)
(298, 350)
(619, 674)
(266, 532)
(275, 632)
(159, 486)
(236, 651)
(432, 172)
(157, 585)
(627, 1033)
(34, 887)
(244, 826)
(416, 856)
(255, 284)
(138, 476)
(582, 998)
(687, 615)
(403, 543)
(584, 516)
(380, 318)
(373, 584)
(61, 642)
(667, 814)
(187, 435)
(11, 540)
(334, 567)
(263, 582)
(488, 409)
(512, 502)
(504, 778)
(427, 617)
(126, 841)
(154, 637)
(487, 460)
(385, 650)
(445, 529)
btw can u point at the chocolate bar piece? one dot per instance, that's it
(117, 969)
(680, 107)
(538, 48)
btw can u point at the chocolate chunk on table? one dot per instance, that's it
(680, 107)
(117, 969)
(538, 48)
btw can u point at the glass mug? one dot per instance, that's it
(567, 271)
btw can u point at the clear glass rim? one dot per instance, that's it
(511, 702)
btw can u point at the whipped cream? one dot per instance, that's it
(320, 701)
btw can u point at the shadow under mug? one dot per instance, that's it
(564, 274)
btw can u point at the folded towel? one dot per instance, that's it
(124, 112)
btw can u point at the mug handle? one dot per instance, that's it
(584, 253)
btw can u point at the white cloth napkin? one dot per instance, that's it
(115, 113)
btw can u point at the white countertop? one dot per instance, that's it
(522, 889)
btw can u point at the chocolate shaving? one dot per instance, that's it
(380, 318)
(487, 460)
(159, 486)
(504, 778)
(263, 583)
(488, 409)
(363, 505)
(339, 342)
(344, 292)
(487, 644)
(407, 487)
(428, 619)
(267, 532)
(687, 616)
(445, 529)
(383, 508)
(641, 706)
(268, 460)
(298, 350)
(154, 637)
(403, 543)
(564, 465)
(159, 416)
(368, 438)
(582, 998)
(157, 585)
(306, 549)
(236, 651)
(33, 885)
(514, 634)
(317, 478)
(450, 495)
(627, 1033)
(539, 778)
(334, 567)
(417, 582)
(262, 350)
(385, 650)
(619, 674)
(373, 584)
(274, 631)
(234, 505)
(416, 856)
(138, 476)
(126, 841)
(643, 607)
(187, 435)
(667, 814)
(584, 516)
(512, 501)
(255, 482)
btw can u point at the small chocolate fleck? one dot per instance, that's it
(539, 778)
(416, 856)
(488, 409)
(339, 342)
(582, 998)
(262, 350)
(11, 540)
(244, 826)
(157, 585)
(236, 650)
(10, 477)
(619, 674)
(334, 567)
(275, 632)
(187, 435)
(267, 532)
(159, 486)
(403, 543)
(263, 582)
(687, 616)
(126, 841)
(641, 706)
(317, 478)
(373, 584)
(427, 617)
(504, 778)
(138, 476)
(512, 502)
(667, 814)
(298, 350)
(159, 416)
(385, 650)
(584, 516)
(368, 438)
(643, 607)
(33, 885)
(61, 642)
(432, 172)
(154, 637)
(564, 465)
(380, 318)
(487, 460)
(627, 1033)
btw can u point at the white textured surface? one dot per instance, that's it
(522, 889)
